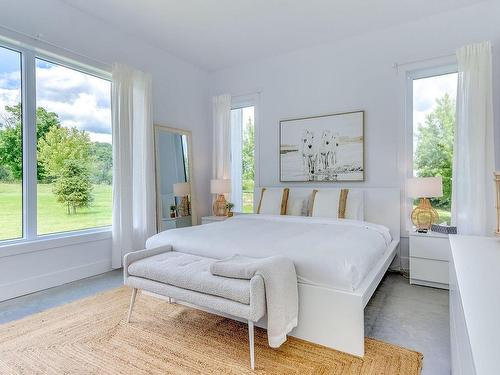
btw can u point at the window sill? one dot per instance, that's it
(51, 241)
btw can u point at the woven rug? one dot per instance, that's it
(91, 336)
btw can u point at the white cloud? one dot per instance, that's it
(80, 100)
(10, 92)
(427, 90)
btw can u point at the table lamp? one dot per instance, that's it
(220, 187)
(423, 216)
(182, 190)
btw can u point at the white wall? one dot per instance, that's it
(358, 74)
(180, 100)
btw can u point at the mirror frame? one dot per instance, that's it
(189, 135)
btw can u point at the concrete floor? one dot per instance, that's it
(411, 316)
(416, 317)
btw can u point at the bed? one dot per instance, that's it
(339, 262)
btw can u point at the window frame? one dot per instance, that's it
(29, 54)
(421, 72)
(251, 100)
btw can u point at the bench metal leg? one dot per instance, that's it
(251, 343)
(132, 301)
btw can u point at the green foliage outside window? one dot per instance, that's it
(73, 187)
(434, 147)
(248, 165)
(66, 157)
(11, 146)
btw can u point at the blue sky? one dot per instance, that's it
(80, 100)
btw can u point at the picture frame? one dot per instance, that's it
(324, 148)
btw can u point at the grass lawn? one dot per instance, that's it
(52, 216)
(248, 201)
(444, 215)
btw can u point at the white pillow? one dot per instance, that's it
(296, 207)
(273, 201)
(355, 208)
(326, 204)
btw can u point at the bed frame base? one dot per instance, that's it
(335, 318)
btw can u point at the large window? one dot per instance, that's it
(434, 94)
(66, 167)
(243, 158)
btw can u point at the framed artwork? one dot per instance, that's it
(327, 148)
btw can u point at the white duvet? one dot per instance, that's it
(327, 252)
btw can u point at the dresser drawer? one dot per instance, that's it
(435, 271)
(436, 248)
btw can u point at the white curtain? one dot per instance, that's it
(473, 207)
(134, 214)
(221, 137)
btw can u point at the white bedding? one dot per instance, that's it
(328, 252)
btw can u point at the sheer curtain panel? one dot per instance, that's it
(473, 206)
(134, 218)
(221, 136)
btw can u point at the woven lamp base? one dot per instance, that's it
(219, 206)
(423, 216)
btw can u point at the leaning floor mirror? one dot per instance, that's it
(175, 205)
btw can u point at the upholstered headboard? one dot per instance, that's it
(381, 205)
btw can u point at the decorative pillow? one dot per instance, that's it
(329, 203)
(296, 207)
(273, 201)
(355, 205)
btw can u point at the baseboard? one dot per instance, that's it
(50, 280)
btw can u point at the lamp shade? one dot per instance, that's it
(181, 189)
(220, 186)
(425, 187)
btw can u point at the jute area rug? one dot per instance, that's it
(91, 336)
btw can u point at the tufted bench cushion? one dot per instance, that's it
(191, 272)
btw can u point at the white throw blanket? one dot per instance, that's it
(280, 281)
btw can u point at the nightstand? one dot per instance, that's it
(212, 219)
(175, 222)
(429, 258)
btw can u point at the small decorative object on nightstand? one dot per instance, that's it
(423, 216)
(220, 187)
(182, 190)
(429, 259)
(212, 219)
(173, 210)
(229, 207)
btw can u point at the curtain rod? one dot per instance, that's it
(396, 65)
(38, 39)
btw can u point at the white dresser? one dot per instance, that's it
(475, 305)
(429, 256)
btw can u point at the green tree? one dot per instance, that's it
(102, 163)
(434, 150)
(11, 144)
(61, 145)
(247, 155)
(73, 186)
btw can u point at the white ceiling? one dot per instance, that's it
(215, 34)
